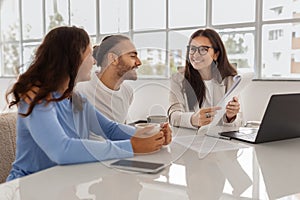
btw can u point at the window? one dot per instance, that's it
(239, 45)
(277, 10)
(178, 41)
(10, 34)
(182, 15)
(149, 15)
(117, 21)
(259, 35)
(233, 11)
(275, 34)
(32, 24)
(278, 48)
(56, 14)
(83, 14)
(152, 52)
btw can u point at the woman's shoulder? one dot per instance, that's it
(177, 77)
(79, 101)
(39, 108)
(79, 96)
(228, 80)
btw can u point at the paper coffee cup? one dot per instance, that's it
(148, 128)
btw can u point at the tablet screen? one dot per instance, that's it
(138, 165)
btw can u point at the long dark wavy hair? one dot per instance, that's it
(56, 59)
(193, 83)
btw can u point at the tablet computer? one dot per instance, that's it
(138, 166)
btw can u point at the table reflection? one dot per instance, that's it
(263, 171)
(206, 177)
(279, 164)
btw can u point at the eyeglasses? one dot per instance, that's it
(202, 50)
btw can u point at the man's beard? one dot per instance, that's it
(128, 75)
(126, 72)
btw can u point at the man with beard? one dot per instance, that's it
(117, 58)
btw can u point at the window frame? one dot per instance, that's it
(257, 25)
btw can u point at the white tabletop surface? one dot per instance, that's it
(198, 168)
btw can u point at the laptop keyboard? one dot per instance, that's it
(247, 133)
(248, 136)
(244, 133)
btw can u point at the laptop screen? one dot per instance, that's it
(281, 121)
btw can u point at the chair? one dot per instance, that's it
(7, 143)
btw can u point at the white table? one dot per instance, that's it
(264, 171)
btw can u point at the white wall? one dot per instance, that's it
(152, 96)
(256, 96)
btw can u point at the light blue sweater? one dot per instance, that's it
(57, 134)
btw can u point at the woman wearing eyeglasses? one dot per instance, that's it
(207, 76)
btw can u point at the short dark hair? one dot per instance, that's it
(106, 45)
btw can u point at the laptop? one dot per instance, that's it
(281, 121)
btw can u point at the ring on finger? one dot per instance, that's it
(207, 115)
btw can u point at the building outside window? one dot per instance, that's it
(260, 35)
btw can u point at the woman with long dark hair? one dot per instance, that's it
(55, 126)
(207, 76)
